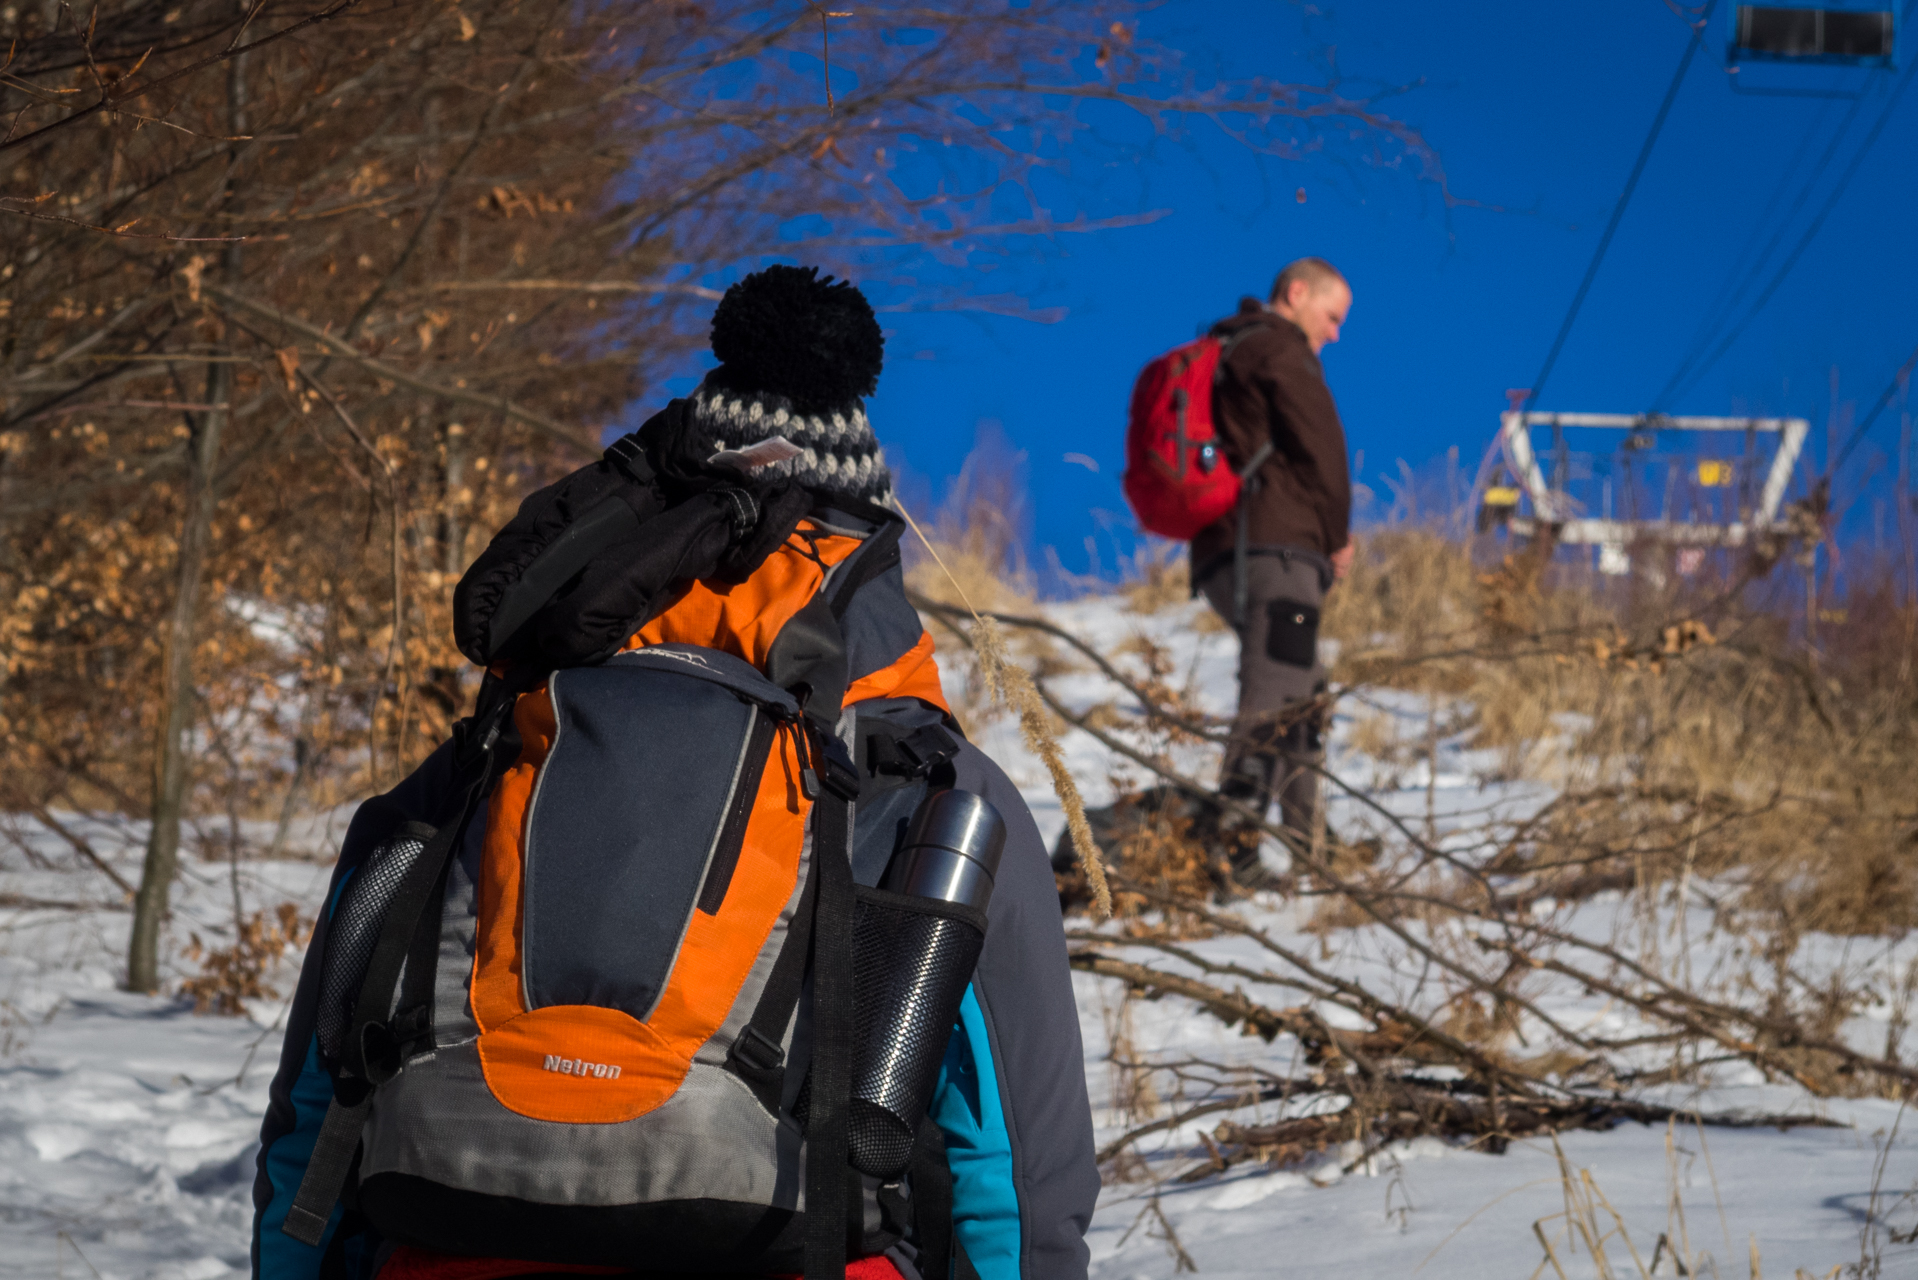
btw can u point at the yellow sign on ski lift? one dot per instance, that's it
(1500, 495)
(1714, 474)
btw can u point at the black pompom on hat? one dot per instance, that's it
(798, 351)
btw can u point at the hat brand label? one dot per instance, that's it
(761, 453)
(578, 1067)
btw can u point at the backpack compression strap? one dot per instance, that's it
(371, 1054)
(1248, 482)
(827, 1167)
(1248, 485)
(929, 1207)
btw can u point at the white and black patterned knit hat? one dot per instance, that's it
(798, 352)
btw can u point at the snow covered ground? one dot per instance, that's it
(1436, 1209)
(127, 1123)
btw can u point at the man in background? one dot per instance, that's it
(1272, 408)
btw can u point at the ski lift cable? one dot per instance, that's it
(1682, 382)
(1858, 432)
(1745, 270)
(1624, 200)
(1728, 289)
(1721, 309)
(1804, 241)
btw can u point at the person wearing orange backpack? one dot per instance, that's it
(707, 946)
(1266, 565)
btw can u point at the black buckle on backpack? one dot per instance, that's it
(411, 1027)
(386, 1046)
(757, 1052)
(380, 1053)
(913, 756)
(839, 775)
(826, 767)
(836, 776)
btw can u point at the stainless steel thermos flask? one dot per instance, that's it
(952, 850)
(915, 942)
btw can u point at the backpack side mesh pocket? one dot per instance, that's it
(355, 930)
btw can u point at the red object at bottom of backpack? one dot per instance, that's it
(408, 1263)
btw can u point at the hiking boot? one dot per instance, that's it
(1251, 875)
(1237, 868)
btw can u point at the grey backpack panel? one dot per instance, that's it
(710, 1140)
(714, 666)
(623, 826)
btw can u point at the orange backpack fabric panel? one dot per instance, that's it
(496, 955)
(584, 1064)
(744, 619)
(558, 1063)
(914, 674)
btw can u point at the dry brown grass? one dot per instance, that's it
(1694, 732)
(1159, 577)
(1702, 749)
(1699, 752)
(972, 559)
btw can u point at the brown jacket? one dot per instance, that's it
(1274, 389)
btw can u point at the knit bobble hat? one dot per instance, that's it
(797, 353)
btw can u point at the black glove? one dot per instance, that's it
(589, 560)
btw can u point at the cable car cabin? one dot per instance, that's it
(1843, 36)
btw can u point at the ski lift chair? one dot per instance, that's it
(1808, 36)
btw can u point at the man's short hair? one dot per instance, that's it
(1316, 272)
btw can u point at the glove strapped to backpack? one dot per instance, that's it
(589, 559)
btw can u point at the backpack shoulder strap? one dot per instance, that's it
(879, 555)
(1227, 341)
(827, 1168)
(1248, 484)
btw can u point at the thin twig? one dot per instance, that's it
(568, 436)
(123, 92)
(121, 231)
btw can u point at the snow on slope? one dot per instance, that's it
(127, 1123)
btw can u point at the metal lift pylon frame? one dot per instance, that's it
(1514, 449)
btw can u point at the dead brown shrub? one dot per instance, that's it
(1704, 753)
(230, 976)
(1159, 577)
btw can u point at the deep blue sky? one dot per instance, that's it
(1538, 109)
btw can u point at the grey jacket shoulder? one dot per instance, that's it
(1024, 985)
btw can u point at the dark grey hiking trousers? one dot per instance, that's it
(1278, 670)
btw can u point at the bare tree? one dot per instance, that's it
(301, 297)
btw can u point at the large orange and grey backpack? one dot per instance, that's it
(603, 1014)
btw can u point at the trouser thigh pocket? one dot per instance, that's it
(1292, 632)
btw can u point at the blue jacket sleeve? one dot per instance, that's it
(968, 1109)
(296, 1106)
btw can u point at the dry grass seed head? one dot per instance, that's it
(1013, 685)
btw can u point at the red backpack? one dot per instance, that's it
(1176, 475)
